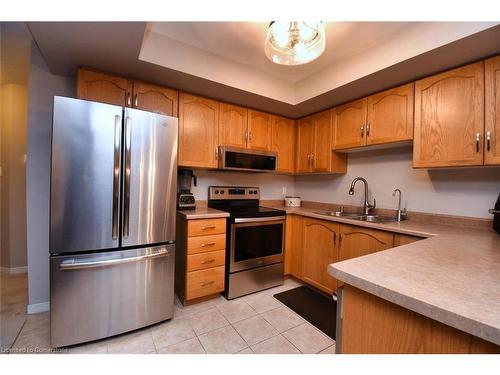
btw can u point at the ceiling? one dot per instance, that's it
(243, 42)
(226, 61)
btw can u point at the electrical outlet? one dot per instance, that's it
(284, 190)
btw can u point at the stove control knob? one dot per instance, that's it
(255, 191)
(222, 191)
(216, 191)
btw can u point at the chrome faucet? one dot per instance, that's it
(366, 206)
(400, 214)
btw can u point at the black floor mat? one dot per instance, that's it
(316, 308)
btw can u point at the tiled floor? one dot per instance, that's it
(258, 323)
(13, 300)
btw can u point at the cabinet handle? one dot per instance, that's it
(208, 227)
(216, 153)
(136, 101)
(368, 129)
(334, 239)
(362, 130)
(207, 283)
(340, 240)
(128, 99)
(478, 137)
(488, 141)
(246, 135)
(207, 244)
(208, 261)
(250, 136)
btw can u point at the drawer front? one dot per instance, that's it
(206, 260)
(206, 226)
(205, 282)
(203, 244)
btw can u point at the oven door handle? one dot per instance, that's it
(259, 219)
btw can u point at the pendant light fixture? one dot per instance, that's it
(294, 43)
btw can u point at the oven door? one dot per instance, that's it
(256, 242)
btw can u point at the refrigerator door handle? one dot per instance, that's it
(71, 264)
(116, 177)
(126, 189)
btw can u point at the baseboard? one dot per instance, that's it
(36, 308)
(14, 270)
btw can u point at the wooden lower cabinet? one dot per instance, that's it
(357, 241)
(404, 239)
(293, 246)
(319, 250)
(372, 325)
(200, 258)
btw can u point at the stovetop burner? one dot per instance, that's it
(241, 202)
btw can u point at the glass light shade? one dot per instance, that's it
(295, 43)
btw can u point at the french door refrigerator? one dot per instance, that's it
(112, 220)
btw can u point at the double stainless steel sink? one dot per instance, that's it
(357, 216)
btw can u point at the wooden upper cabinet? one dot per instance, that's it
(259, 130)
(449, 118)
(305, 139)
(349, 121)
(390, 116)
(283, 142)
(104, 88)
(492, 115)
(233, 126)
(320, 249)
(322, 145)
(156, 99)
(198, 131)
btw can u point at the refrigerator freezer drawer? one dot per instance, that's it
(94, 296)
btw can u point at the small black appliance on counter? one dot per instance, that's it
(185, 199)
(496, 215)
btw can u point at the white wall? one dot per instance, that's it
(463, 192)
(271, 186)
(43, 86)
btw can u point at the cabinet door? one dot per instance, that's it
(390, 116)
(449, 118)
(357, 241)
(349, 121)
(259, 130)
(233, 126)
(283, 142)
(320, 249)
(322, 147)
(293, 246)
(404, 239)
(156, 99)
(198, 131)
(492, 115)
(305, 139)
(104, 88)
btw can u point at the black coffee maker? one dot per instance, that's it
(185, 199)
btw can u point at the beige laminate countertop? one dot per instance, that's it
(453, 276)
(203, 213)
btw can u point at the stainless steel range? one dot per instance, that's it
(255, 240)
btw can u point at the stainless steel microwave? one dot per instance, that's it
(242, 159)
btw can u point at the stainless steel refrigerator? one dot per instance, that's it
(112, 220)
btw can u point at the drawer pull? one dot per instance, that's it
(208, 244)
(208, 227)
(208, 261)
(207, 283)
